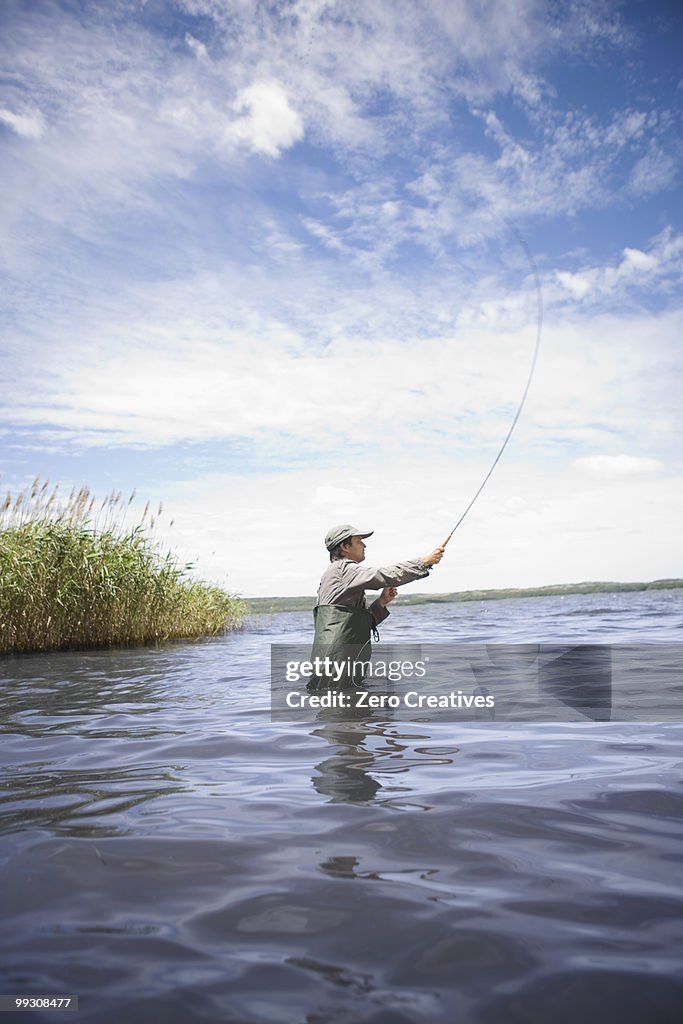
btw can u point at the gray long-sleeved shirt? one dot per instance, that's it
(344, 582)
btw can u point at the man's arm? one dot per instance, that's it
(364, 577)
(368, 578)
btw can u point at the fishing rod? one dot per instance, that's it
(539, 326)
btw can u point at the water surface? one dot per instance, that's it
(170, 854)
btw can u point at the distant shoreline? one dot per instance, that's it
(265, 605)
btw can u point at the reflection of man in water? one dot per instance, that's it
(343, 622)
(345, 776)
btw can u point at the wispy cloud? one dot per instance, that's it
(220, 374)
(131, 107)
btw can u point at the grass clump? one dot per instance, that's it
(73, 576)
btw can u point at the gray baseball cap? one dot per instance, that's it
(337, 534)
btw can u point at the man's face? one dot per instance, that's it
(354, 548)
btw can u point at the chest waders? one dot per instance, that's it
(342, 635)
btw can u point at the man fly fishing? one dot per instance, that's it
(343, 622)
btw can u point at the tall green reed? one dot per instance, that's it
(74, 575)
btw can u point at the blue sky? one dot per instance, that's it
(261, 262)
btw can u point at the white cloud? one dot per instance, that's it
(197, 47)
(578, 284)
(638, 261)
(618, 465)
(269, 124)
(658, 267)
(653, 172)
(340, 501)
(29, 126)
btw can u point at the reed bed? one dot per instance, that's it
(73, 575)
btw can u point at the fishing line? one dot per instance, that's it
(539, 327)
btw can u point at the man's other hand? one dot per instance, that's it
(387, 595)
